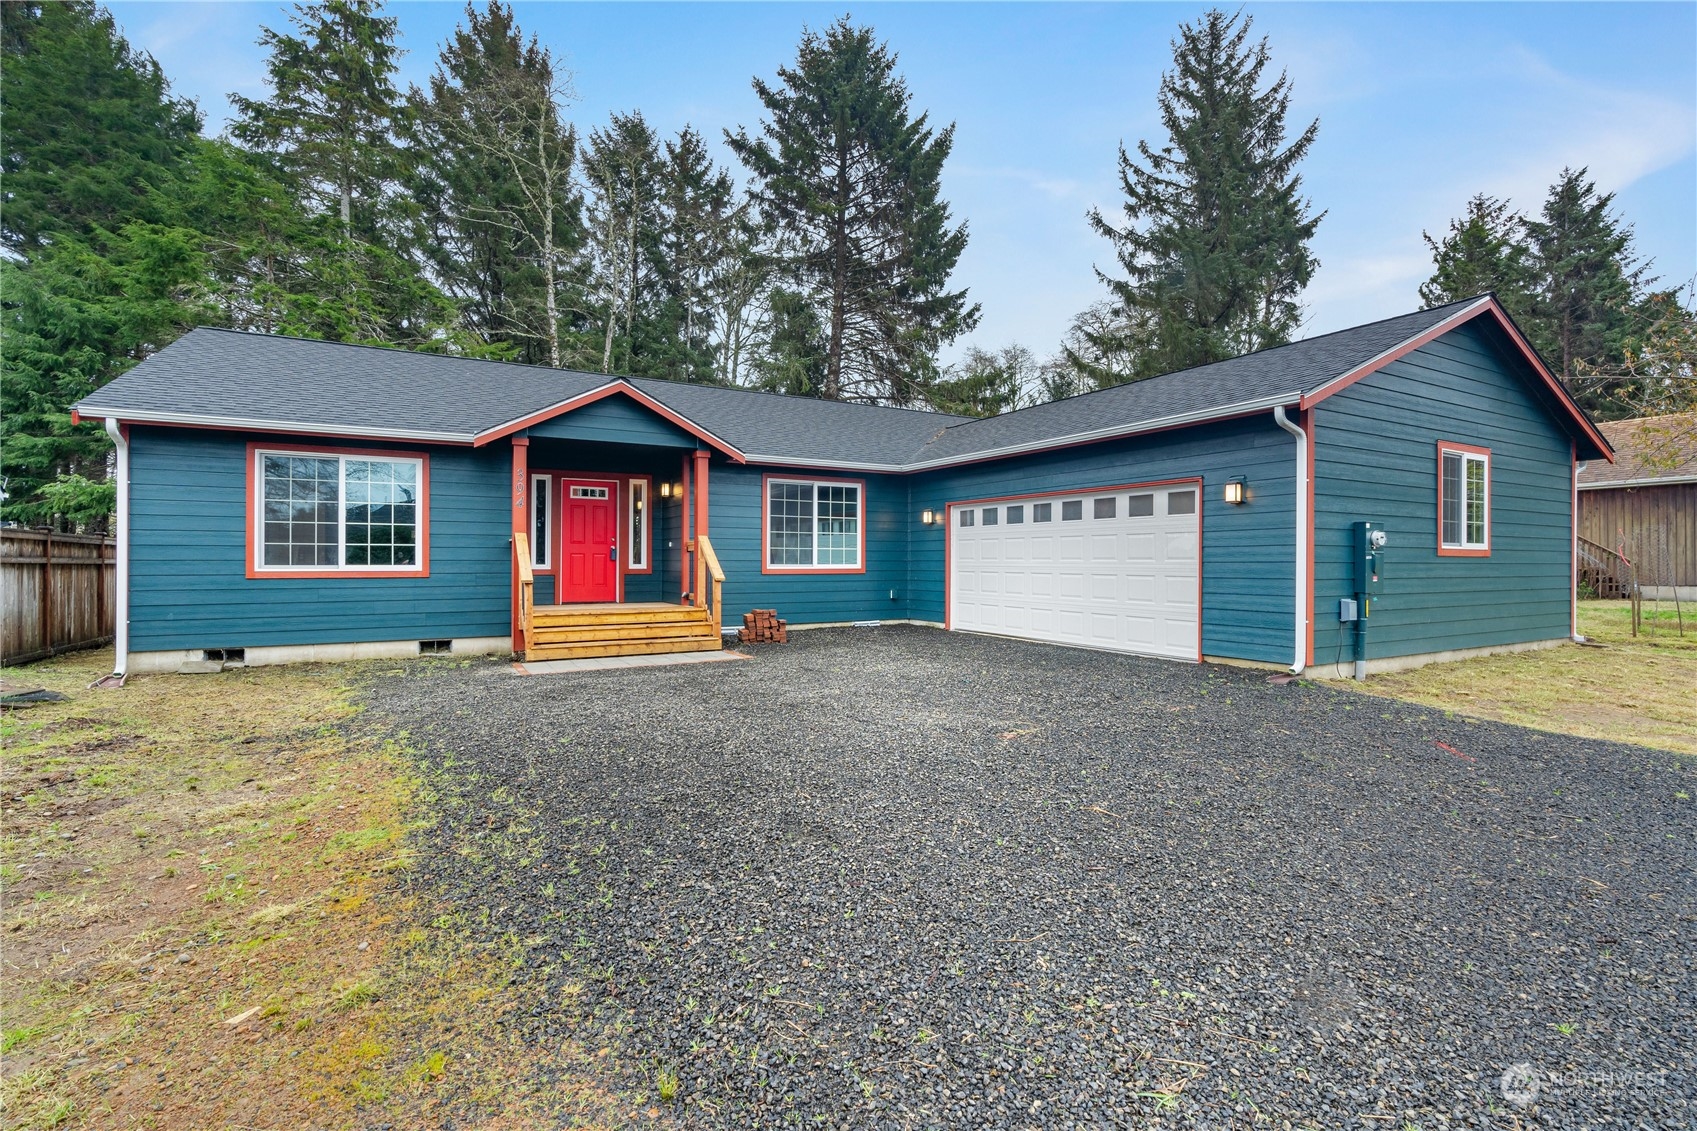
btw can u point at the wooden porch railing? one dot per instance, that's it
(1607, 572)
(527, 584)
(707, 566)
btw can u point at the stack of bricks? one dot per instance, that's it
(762, 626)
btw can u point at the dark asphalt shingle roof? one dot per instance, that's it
(296, 384)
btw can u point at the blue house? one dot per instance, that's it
(1378, 497)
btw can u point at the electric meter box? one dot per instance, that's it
(1370, 543)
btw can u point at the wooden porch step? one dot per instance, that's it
(622, 630)
(575, 615)
(593, 649)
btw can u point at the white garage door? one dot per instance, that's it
(1116, 570)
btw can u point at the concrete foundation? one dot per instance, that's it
(193, 659)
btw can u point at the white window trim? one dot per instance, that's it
(1466, 457)
(341, 459)
(859, 563)
(637, 553)
(541, 548)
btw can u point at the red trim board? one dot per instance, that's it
(766, 526)
(1469, 551)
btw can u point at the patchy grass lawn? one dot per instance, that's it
(206, 921)
(1627, 689)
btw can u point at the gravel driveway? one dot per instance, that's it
(900, 878)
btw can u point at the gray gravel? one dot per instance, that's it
(899, 878)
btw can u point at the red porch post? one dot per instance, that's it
(521, 494)
(701, 492)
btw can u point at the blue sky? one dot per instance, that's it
(1420, 106)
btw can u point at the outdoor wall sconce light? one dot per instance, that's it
(665, 490)
(1235, 490)
(928, 517)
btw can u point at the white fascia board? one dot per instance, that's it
(1113, 432)
(1663, 481)
(252, 424)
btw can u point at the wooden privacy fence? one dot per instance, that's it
(59, 592)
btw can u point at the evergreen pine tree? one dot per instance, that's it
(93, 138)
(329, 131)
(101, 272)
(501, 211)
(1588, 281)
(1485, 250)
(698, 233)
(1215, 239)
(622, 165)
(848, 179)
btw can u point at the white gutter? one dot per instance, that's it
(254, 424)
(1093, 436)
(121, 615)
(1663, 481)
(1302, 611)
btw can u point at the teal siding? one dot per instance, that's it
(1248, 560)
(615, 419)
(188, 548)
(1376, 459)
(880, 593)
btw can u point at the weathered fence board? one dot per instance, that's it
(58, 592)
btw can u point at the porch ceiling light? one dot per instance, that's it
(1235, 490)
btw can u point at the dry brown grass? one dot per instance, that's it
(234, 819)
(1627, 689)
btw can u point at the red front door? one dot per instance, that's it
(589, 531)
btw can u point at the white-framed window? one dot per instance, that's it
(541, 519)
(325, 511)
(813, 524)
(637, 552)
(1464, 500)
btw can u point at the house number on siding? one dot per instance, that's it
(518, 492)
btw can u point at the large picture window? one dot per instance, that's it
(1464, 501)
(814, 525)
(339, 513)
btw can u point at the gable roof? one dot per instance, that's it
(260, 382)
(1652, 451)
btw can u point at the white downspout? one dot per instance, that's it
(1579, 467)
(121, 628)
(1301, 556)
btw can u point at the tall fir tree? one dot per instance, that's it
(329, 131)
(1484, 250)
(622, 165)
(1588, 280)
(849, 180)
(501, 210)
(1215, 236)
(101, 272)
(93, 137)
(699, 232)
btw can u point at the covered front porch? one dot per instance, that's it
(610, 549)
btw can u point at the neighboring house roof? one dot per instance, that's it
(1651, 451)
(260, 382)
